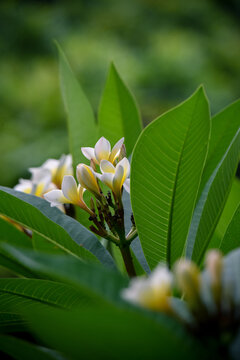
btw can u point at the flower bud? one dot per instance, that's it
(188, 279)
(87, 179)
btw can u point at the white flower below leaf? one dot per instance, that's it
(102, 151)
(57, 168)
(39, 184)
(153, 292)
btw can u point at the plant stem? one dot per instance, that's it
(128, 261)
(132, 235)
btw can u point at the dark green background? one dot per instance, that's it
(162, 49)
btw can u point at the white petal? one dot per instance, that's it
(43, 175)
(50, 164)
(89, 153)
(69, 188)
(102, 149)
(68, 162)
(56, 197)
(107, 178)
(126, 185)
(126, 166)
(107, 167)
(118, 180)
(24, 186)
(116, 150)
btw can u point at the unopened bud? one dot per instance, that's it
(87, 179)
(214, 265)
(93, 165)
(188, 279)
(123, 152)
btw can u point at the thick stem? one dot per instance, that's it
(128, 261)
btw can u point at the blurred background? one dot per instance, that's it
(162, 49)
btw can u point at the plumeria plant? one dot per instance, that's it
(119, 263)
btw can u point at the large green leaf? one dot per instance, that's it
(82, 128)
(106, 332)
(61, 230)
(224, 127)
(93, 278)
(118, 113)
(212, 201)
(19, 349)
(231, 239)
(167, 164)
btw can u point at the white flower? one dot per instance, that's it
(102, 151)
(69, 194)
(152, 292)
(58, 169)
(38, 185)
(87, 178)
(115, 177)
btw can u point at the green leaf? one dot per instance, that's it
(231, 239)
(93, 278)
(224, 127)
(118, 113)
(230, 207)
(167, 164)
(10, 322)
(106, 332)
(19, 349)
(11, 235)
(28, 291)
(61, 230)
(41, 244)
(82, 128)
(212, 201)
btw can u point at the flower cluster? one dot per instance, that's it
(211, 298)
(108, 167)
(47, 177)
(108, 172)
(114, 169)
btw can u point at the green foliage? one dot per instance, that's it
(224, 127)
(118, 113)
(230, 239)
(167, 164)
(81, 122)
(71, 298)
(85, 332)
(212, 201)
(19, 349)
(59, 229)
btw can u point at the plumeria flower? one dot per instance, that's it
(102, 151)
(58, 168)
(115, 177)
(38, 185)
(153, 292)
(87, 178)
(69, 194)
